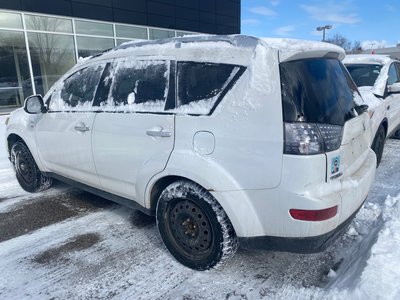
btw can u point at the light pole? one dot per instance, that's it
(323, 28)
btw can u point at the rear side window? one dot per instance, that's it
(317, 91)
(78, 90)
(364, 75)
(201, 85)
(139, 85)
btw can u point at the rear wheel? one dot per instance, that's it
(27, 172)
(396, 135)
(194, 227)
(379, 143)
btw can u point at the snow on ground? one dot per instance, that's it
(115, 252)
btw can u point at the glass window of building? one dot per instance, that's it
(10, 20)
(182, 33)
(121, 41)
(160, 34)
(88, 46)
(15, 83)
(131, 32)
(42, 23)
(93, 28)
(52, 55)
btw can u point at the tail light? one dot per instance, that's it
(311, 138)
(314, 215)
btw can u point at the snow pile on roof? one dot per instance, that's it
(367, 59)
(296, 46)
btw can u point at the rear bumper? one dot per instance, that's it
(265, 213)
(296, 245)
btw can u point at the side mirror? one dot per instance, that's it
(361, 108)
(394, 88)
(34, 105)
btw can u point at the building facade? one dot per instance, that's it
(391, 51)
(41, 40)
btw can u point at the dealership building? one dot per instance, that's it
(41, 40)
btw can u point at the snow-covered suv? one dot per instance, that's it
(227, 140)
(378, 79)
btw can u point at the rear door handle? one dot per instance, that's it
(388, 107)
(158, 132)
(81, 127)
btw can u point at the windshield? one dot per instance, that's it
(364, 75)
(317, 90)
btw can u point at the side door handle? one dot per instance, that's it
(158, 132)
(81, 127)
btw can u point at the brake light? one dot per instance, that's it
(311, 138)
(314, 215)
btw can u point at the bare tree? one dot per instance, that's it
(348, 46)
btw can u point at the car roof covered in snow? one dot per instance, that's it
(289, 49)
(370, 59)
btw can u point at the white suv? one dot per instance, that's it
(227, 140)
(378, 79)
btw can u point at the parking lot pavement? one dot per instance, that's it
(64, 243)
(51, 207)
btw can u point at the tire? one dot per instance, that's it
(379, 143)
(396, 135)
(194, 227)
(27, 172)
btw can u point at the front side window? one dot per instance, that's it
(78, 90)
(138, 86)
(200, 85)
(364, 74)
(317, 90)
(393, 76)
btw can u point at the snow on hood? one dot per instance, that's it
(369, 97)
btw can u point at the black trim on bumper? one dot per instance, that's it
(312, 244)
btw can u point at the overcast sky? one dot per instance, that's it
(374, 22)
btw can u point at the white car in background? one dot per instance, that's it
(378, 80)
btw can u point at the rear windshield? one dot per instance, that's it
(364, 75)
(317, 90)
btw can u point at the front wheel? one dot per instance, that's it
(379, 143)
(194, 227)
(27, 172)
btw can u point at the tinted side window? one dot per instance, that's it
(393, 76)
(77, 90)
(140, 85)
(200, 85)
(317, 90)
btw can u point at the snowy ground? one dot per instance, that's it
(64, 243)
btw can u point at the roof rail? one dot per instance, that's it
(235, 40)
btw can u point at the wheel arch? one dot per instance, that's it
(156, 189)
(227, 202)
(385, 124)
(12, 139)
